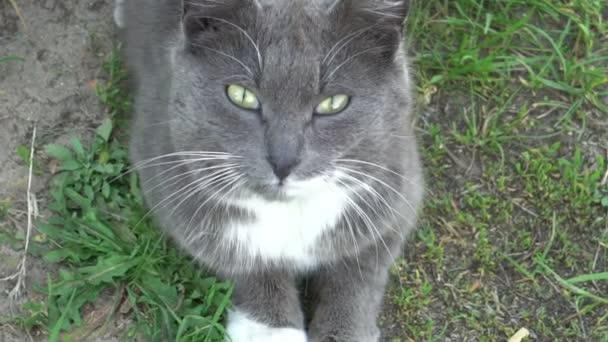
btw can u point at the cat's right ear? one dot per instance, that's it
(382, 13)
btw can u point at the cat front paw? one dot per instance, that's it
(241, 328)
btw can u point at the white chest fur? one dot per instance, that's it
(289, 230)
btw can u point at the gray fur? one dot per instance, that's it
(293, 54)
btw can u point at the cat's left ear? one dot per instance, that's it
(383, 12)
(390, 13)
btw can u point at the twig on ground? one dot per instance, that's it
(18, 12)
(524, 208)
(32, 210)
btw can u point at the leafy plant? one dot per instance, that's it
(102, 239)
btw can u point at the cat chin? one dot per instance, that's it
(241, 328)
(290, 190)
(288, 231)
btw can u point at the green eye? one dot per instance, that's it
(242, 97)
(333, 104)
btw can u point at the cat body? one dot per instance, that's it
(271, 194)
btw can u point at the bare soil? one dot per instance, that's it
(63, 44)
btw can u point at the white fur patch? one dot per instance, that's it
(289, 230)
(119, 13)
(243, 329)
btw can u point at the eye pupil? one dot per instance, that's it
(242, 97)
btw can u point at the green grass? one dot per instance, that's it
(11, 59)
(514, 232)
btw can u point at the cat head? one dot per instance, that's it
(290, 86)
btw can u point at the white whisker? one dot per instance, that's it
(342, 43)
(381, 182)
(242, 64)
(383, 14)
(186, 154)
(203, 185)
(160, 123)
(219, 201)
(196, 4)
(177, 193)
(181, 163)
(178, 177)
(349, 59)
(203, 154)
(378, 166)
(378, 197)
(367, 220)
(228, 182)
(351, 229)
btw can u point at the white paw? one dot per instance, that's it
(119, 13)
(243, 329)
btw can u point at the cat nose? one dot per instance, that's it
(283, 165)
(284, 142)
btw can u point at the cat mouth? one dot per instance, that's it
(270, 191)
(289, 189)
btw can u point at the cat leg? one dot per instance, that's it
(266, 309)
(119, 13)
(347, 298)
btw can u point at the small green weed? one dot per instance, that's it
(23, 152)
(11, 59)
(413, 297)
(111, 92)
(5, 206)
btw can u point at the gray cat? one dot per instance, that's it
(273, 140)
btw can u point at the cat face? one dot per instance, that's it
(290, 94)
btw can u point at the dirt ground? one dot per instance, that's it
(63, 43)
